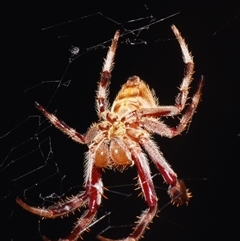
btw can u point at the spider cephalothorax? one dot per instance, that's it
(120, 139)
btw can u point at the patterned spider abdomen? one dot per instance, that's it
(134, 94)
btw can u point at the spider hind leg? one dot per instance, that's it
(149, 193)
(91, 197)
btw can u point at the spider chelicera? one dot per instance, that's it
(120, 138)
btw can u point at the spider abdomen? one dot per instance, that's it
(134, 94)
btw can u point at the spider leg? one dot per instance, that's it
(155, 126)
(59, 209)
(92, 196)
(177, 190)
(171, 110)
(188, 72)
(147, 186)
(186, 81)
(94, 188)
(73, 134)
(102, 91)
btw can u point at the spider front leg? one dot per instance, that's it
(92, 196)
(146, 183)
(182, 97)
(102, 91)
(188, 72)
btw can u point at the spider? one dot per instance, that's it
(120, 138)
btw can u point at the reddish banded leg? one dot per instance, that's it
(92, 196)
(148, 190)
(94, 188)
(102, 91)
(177, 191)
(62, 126)
(155, 126)
(59, 209)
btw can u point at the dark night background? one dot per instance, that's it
(207, 157)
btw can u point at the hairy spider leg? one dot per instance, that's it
(62, 126)
(59, 209)
(72, 133)
(146, 183)
(188, 72)
(186, 81)
(153, 125)
(102, 103)
(177, 190)
(92, 196)
(94, 190)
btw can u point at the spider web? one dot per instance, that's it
(64, 57)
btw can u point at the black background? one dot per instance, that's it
(206, 157)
